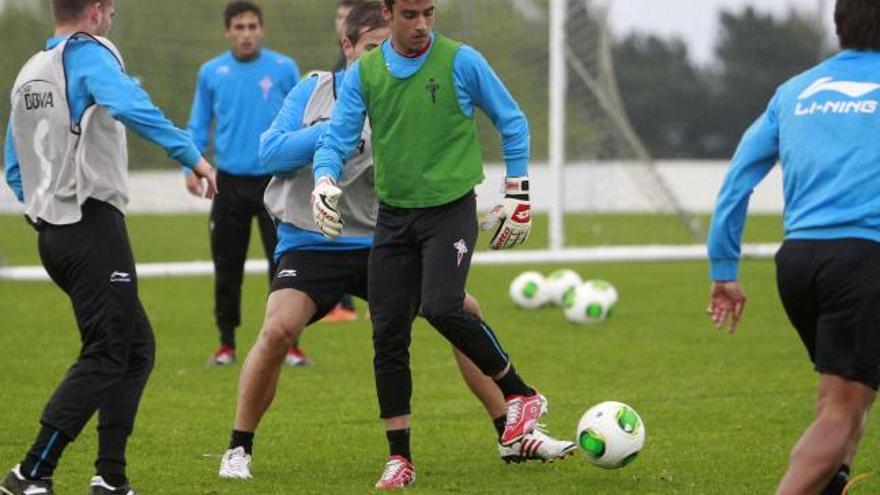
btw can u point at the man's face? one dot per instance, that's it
(411, 24)
(341, 13)
(245, 32)
(368, 41)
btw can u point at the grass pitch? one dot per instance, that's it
(721, 411)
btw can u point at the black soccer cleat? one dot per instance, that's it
(16, 484)
(101, 487)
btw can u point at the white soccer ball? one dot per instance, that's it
(611, 434)
(605, 287)
(559, 282)
(589, 303)
(529, 290)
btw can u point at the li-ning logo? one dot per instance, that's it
(120, 277)
(433, 88)
(851, 89)
(462, 249)
(287, 274)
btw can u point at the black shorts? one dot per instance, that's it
(831, 292)
(324, 276)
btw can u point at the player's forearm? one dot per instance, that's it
(149, 123)
(327, 163)
(284, 152)
(515, 147)
(13, 173)
(724, 242)
(13, 179)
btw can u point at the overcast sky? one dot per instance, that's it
(697, 20)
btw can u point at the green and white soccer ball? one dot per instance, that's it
(590, 303)
(559, 282)
(611, 434)
(529, 290)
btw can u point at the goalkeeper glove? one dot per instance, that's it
(325, 209)
(512, 217)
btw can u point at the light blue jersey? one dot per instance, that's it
(823, 127)
(241, 98)
(476, 86)
(287, 146)
(94, 76)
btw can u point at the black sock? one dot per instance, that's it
(838, 482)
(347, 302)
(512, 384)
(227, 336)
(398, 443)
(242, 439)
(499, 424)
(42, 459)
(114, 480)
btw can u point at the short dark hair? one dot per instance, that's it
(858, 24)
(70, 10)
(367, 14)
(349, 3)
(237, 7)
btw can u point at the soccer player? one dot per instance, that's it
(822, 126)
(239, 91)
(314, 271)
(66, 161)
(420, 91)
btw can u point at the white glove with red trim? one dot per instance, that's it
(325, 209)
(512, 218)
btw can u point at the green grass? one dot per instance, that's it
(185, 237)
(721, 411)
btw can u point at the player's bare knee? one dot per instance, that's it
(472, 306)
(278, 334)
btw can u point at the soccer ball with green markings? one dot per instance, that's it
(590, 302)
(529, 290)
(559, 282)
(611, 434)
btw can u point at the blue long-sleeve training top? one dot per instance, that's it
(823, 127)
(476, 85)
(95, 76)
(288, 146)
(241, 98)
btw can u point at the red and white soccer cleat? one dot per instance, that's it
(537, 446)
(522, 416)
(224, 356)
(296, 357)
(399, 473)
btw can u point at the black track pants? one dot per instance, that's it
(240, 200)
(93, 263)
(419, 264)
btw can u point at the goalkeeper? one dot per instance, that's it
(313, 271)
(420, 91)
